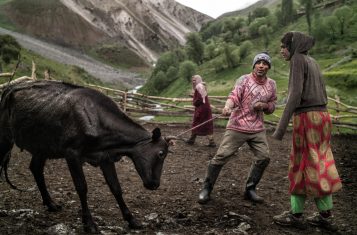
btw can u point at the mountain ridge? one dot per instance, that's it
(146, 27)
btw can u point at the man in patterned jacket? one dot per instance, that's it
(253, 96)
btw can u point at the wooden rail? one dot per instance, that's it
(138, 105)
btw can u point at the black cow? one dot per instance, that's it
(52, 119)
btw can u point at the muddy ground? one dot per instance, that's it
(172, 209)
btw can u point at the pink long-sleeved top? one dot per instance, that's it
(247, 91)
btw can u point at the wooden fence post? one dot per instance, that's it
(47, 74)
(33, 75)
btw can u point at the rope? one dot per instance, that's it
(201, 124)
(209, 120)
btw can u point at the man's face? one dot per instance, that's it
(284, 52)
(261, 68)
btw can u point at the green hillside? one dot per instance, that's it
(72, 74)
(51, 21)
(223, 40)
(14, 58)
(8, 48)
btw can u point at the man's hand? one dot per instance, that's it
(260, 106)
(228, 108)
(226, 111)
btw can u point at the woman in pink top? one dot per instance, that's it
(253, 96)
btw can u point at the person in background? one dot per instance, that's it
(202, 113)
(253, 96)
(312, 170)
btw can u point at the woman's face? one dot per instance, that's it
(284, 52)
(194, 81)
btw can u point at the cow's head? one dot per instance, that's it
(148, 157)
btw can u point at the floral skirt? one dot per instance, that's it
(312, 169)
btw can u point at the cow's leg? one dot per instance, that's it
(80, 183)
(37, 166)
(111, 178)
(5, 149)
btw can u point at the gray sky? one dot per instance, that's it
(215, 8)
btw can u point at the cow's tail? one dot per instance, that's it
(3, 170)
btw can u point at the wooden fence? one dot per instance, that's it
(139, 105)
(179, 111)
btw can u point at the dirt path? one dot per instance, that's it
(173, 209)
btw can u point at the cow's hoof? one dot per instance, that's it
(134, 224)
(52, 207)
(91, 228)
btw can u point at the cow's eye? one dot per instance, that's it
(161, 154)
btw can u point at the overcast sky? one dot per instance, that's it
(215, 8)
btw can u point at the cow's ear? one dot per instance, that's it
(156, 134)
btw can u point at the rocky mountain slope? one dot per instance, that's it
(270, 4)
(146, 27)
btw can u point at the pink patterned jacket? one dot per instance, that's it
(247, 91)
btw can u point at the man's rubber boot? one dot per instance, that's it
(212, 175)
(256, 173)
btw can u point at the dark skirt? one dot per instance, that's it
(202, 113)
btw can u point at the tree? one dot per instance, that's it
(254, 27)
(260, 12)
(244, 50)
(230, 55)
(229, 24)
(331, 24)
(9, 48)
(279, 18)
(344, 15)
(211, 29)
(319, 29)
(164, 71)
(187, 70)
(265, 31)
(180, 54)
(218, 64)
(165, 61)
(287, 12)
(171, 75)
(195, 48)
(210, 52)
(308, 11)
(160, 82)
(250, 18)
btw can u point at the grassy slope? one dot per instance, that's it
(221, 83)
(326, 55)
(58, 71)
(118, 57)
